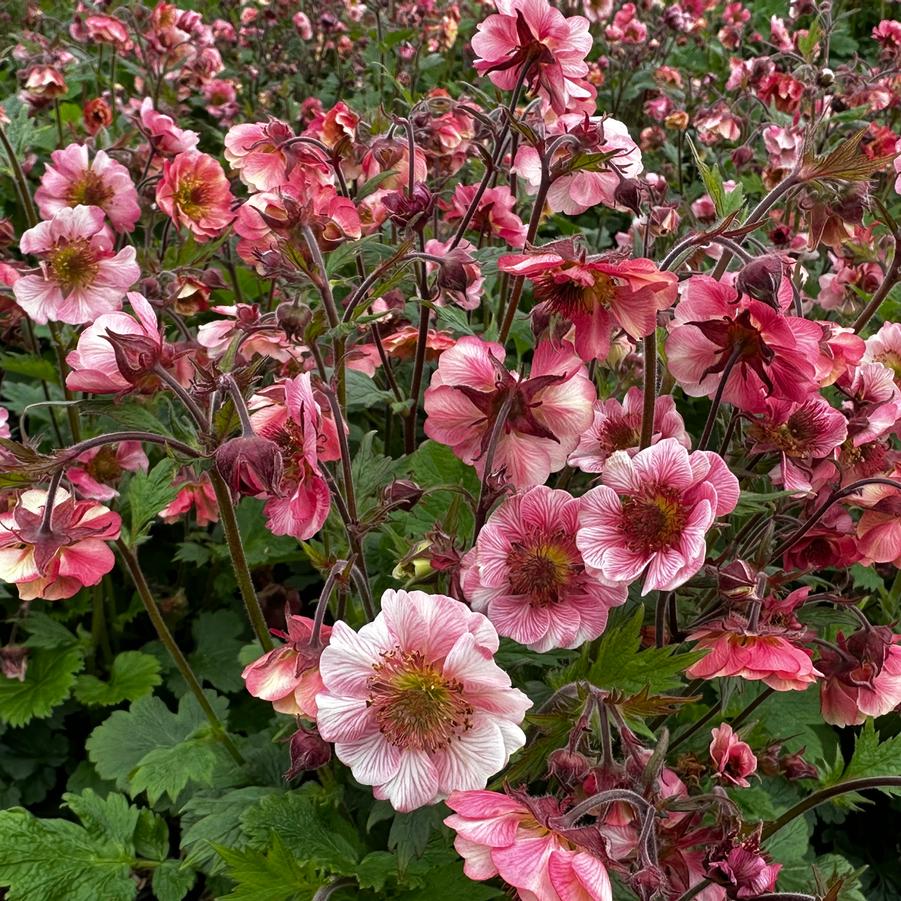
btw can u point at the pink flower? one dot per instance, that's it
(253, 150)
(165, 137)
(414, 702)
(101, 465)
(734, 760)
(291, 417)
(288, 676)
(743, 869)
(459, 276)
(73, 179)
(55, 560)
(885, 347)
(527, 576)
(888, 35)
(258, 337)
(717, 124)
(511, 837)
(617, 427)
(767, 353)
(532, 36)
(81, 277)
(784, 145)
(595, 293)
(863, 676)
(194, 493)
(575, 192)
(117, 352)
(195, 194)
(653, 510)
(546, 412)
(494, 213)
(801, 433)
(762, 655)
(879, 528)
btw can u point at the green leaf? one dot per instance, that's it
(167, 771)
(172, 880)
(129, 414)
(133, 675)
(29, 365)
(48, 682)
(410, 833)
(711, 177)
(46, 632)
(870, 758)
(271, 876)
(450, 883)
(363, 393)
(371, 472)
(790, 843)
(375, 869)
(57, 860)
(148, 493)
(218, 640)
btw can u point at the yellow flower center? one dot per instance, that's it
(191, 197)
(653, 522)
(89, 190)
(73, 265)
(540, 571)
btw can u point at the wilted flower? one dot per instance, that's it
(94, 469)
(733, 759)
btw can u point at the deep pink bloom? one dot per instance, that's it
(253, 150)
(118, 351)
(768, 353)
(244, 319)
(862, 676)
(500, 835)
(73, 179)
(617, 427)
(546, 412)
(531, 33)
(97, 467)
(102, 29)
(494, 214)
(58, 562)
(527, 576)
(414, 702)
(165, 137)
(596, 294)
(195, 194)
(733, 759)
(744, 869)
(653, 511)
(196, 493)
(873, 402)
(762, 655)
(879, 528)
(830, 543)
(81, 276)
(288, 676)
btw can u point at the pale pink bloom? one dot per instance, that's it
(494, 214)
(73, 179)
(617, 427)
(885, 347)
(841, 349)
(414, 702)
(784, 145)
(512, 837)
(526, 31)
(873, 400)
(801, 433)
(763, 655)
(288, 676)
(298, 429)
(779, 35)
(527, 576)
(302, 26)
(653, 511)
(194, 193)
(165, 137)
(253, 150)
(58, 562)
(261, 338)
(102, 29)
(221, 99)
(772, 354)
(879, 528)
(4, 423)
(196, 493)
(863, 676)
(717, 124)
(118, 351)
(390, 155)
(733, 759)
(575, 192)
(81, 277)
(546, 412)
(93, 470)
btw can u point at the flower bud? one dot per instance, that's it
(570, 767)
(251, 465)
(402, 494)
(825, 78)
(136, 355)
(410, 211)
(14, 661)
(678, 120)
(628, 194)
(761, 279)
(737, 580)
(794, 766)
(293, 318)
(741, 156)
(308, 752)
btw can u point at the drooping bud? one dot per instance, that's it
(14, 661)
(136, 355)
(410, 210)
(402, 494)
(628, 194)
(741, 156)
(308, 752)
(570, 767)
(794, 766)
(251, 465)
(737, 580)
(293, 318)
(761, 279)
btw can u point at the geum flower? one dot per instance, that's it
(194, 193)
(55, 558)
(288, 676)
(545, 413)
(415, 703)
(512, 836)
(531, 39)
(617, 427)
(494, 214)
(81, 277)
(527, 576)
(164, 135)
(652, 512)
(879, 528)
(717, 333)
(94, 469)
(73, 179)
(597, 294)
(733, 759)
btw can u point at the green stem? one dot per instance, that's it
(31, 215)
(239, 560)
(99, 633)
(162, 630)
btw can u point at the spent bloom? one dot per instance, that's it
(652, 512)
(94, 469)
(80, 277)
(73, 179)
(55, 557)
(527, 576)
(733, 759)
(545, 413)
(165, 137)
(415, 703)
(195, 194)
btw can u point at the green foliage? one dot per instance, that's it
(871, 757)
(148, 493)
(274, 875)
(49, 680)
(133, 675)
